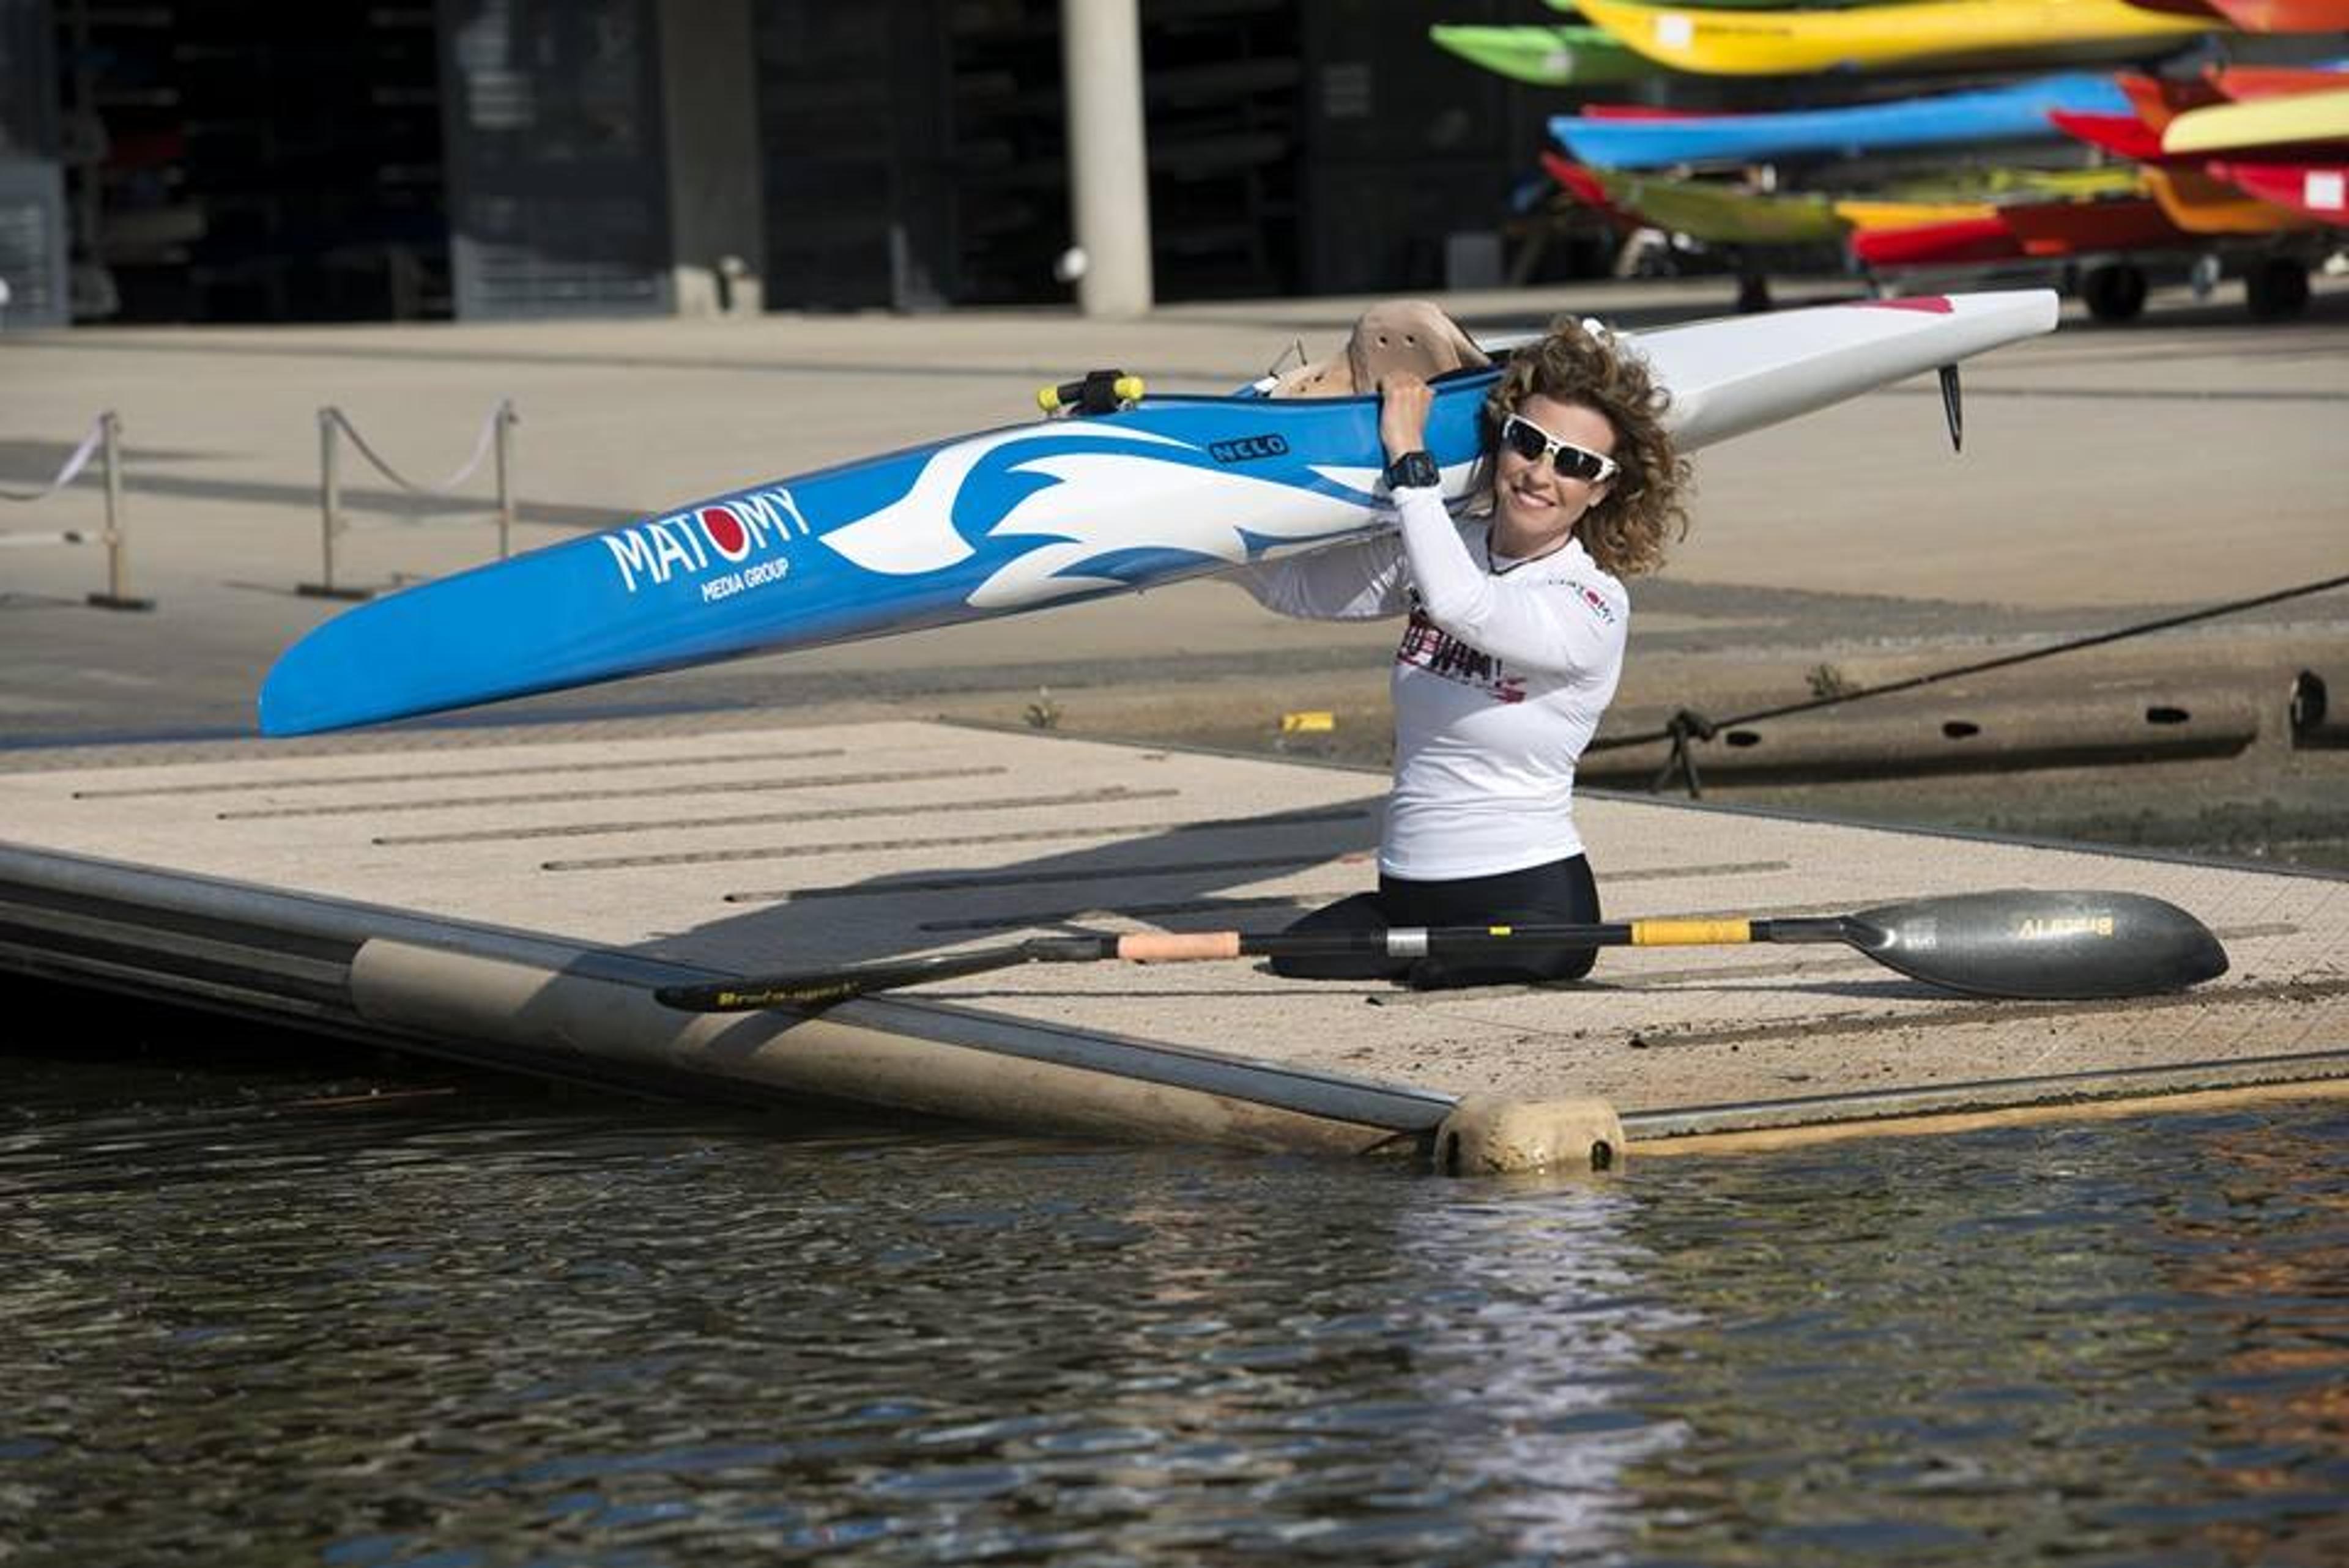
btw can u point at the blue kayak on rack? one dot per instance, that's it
(2013, 113)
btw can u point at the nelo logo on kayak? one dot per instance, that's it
(730, 545)
(1249, 449)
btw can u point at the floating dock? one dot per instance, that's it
(511, 897)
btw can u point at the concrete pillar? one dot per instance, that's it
(709, 115)
(1109, 171)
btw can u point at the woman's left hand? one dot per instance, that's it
(1403, 402)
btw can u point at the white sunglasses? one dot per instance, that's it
(1533, 443)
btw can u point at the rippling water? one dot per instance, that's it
(249, 1318)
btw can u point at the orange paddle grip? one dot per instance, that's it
(1176, 947)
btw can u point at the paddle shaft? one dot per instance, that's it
(1453, 940)
(1173, 947)
(2065, 945)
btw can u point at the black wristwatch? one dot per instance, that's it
(1413, 470)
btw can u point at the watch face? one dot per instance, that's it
(1413, 470)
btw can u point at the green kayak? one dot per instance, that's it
(1971, 184)
(1723, 214)
(1559, 57)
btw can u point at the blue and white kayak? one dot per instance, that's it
(1037, 514)
(2015, 113)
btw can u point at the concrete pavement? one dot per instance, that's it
(2182, 459)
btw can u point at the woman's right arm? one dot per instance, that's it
(1359, 582)
(1363, 581)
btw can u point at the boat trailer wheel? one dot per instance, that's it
(2114, 293)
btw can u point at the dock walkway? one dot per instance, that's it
(510, 893)
(511, 897)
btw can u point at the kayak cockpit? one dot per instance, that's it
(1403, 334)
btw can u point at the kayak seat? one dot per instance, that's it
(1394, 335)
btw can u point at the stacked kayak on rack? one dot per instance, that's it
(1931, 135)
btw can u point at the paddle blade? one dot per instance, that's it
(824, 987)
(2052, 945)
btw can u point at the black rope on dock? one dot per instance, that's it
(1688, 725)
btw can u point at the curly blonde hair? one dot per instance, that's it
(1626, 529)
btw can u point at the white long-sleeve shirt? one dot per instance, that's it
(1502, 673)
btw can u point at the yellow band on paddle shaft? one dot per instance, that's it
(1690, 933)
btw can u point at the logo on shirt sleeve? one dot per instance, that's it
(1593, 601)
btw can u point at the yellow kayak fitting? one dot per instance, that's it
(1098, 392)
(1743, 43)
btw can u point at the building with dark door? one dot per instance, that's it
(197, 161)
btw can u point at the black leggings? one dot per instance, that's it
(1561, 892)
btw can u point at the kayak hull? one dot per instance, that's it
(2295, 119)
(1017, 519)
(1722, 216)
(2318, 191)
(1545, 56)
(1878, 37)
(1960, 241)
(2011, 113)
(2201, 204)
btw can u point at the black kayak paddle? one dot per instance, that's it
(2021, 944)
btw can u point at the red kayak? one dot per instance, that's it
(2074, 227)
(2261, 16)
(2124, 135)
(2319, 190)
(1958, 243)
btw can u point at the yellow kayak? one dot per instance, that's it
(1867, 212)
(1869, 37)
(2261, 122)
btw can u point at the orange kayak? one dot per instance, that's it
(2202, 205)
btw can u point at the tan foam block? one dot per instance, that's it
(1489, 1135)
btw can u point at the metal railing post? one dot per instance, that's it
(496, 437)
(330, 493)
(104, 436)
(111, 427)
(330, 509)
(507, 419)
(118, 594)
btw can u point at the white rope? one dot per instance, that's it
(446, 487)
(66, 475)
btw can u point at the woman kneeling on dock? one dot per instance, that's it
(1515, 641)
